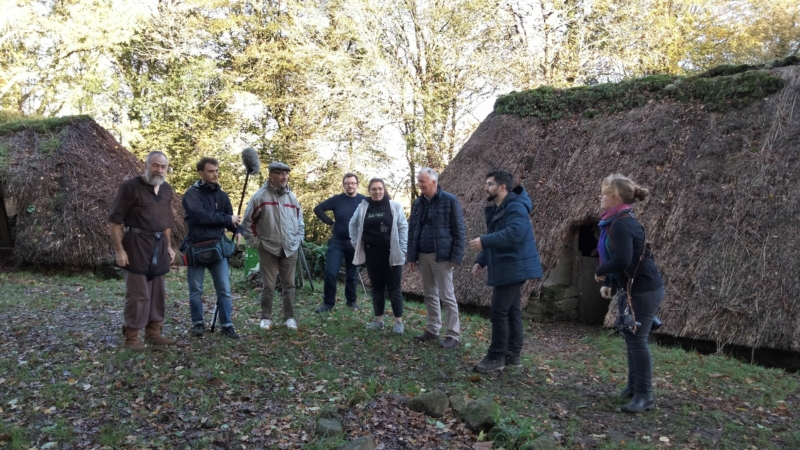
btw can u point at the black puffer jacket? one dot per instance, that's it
(208, 213)
(449, 233)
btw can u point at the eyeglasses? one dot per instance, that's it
(490, 184)
(352, 183)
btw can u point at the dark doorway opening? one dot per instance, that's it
(592, 308)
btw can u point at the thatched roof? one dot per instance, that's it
(61, 176)
(724, 216)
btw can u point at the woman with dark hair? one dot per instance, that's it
(627, 264)
(379, 234)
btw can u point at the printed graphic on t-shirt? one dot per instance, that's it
(376, 216)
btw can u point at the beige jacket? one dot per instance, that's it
(274, 221)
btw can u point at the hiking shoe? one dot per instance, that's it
(449, 342)
(514, 360)
(266, 324)
(375, 325)
(229, 332)
(353, 306)
(324, 308)
(198, 329)
(490, 365)
(426, 336)
(291, 324)
(398, 328)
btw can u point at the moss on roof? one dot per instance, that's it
(718, 89)
(39, 124)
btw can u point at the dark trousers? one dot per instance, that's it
(506, 318)
(144, 300)
(383, 277)
(339, 250)
(640, 362)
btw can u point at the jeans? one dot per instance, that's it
(340, 250)
(383, 276)
(506, 318)
(640, 362)
(222, 284)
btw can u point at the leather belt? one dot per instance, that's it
(156, 249)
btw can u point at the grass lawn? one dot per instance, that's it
(66, 382)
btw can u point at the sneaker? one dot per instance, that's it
(266, 324)
(398, 328)
(449, 342)
(490, 365)
(291, 324)
(323, 308)
(229, 332)
(198, 330)
(514, 360)
(353, 306)
(375, 325)
(426, 336)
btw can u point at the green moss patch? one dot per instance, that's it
(3, 153)
(39, 125)
(721, 88)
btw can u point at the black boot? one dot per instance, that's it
(639, 404)
(625, 393)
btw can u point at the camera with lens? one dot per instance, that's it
(626, 323)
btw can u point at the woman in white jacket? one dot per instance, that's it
(379, 234)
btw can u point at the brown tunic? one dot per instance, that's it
(137, 205)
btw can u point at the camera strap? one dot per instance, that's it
(629, 287)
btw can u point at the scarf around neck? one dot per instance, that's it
(605, 225)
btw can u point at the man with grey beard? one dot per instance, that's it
(140, 225)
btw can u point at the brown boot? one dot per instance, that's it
(152, 334)
(132, 338)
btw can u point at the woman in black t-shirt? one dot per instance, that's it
(624, 257)
(379, 234)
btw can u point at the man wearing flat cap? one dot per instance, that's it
(273, 224)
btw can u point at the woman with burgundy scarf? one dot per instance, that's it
(624, 256)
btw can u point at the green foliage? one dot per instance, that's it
(7, 116)
(48, 146)
(315, 255)
(18, 438)
(727, 87)
(548, 103)
(38, 124)
(4, 148)
(513, 431)
(111, 435)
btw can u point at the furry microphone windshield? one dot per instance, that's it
(251, 161)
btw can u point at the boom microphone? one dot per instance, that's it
(253, 166)
(251, 161)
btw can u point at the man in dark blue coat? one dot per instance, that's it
(436, 241)
(339, 247)
(208, 213)
(509, 250)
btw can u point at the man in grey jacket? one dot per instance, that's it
(273, 224)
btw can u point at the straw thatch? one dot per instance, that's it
(724, 215)
(61, 176)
